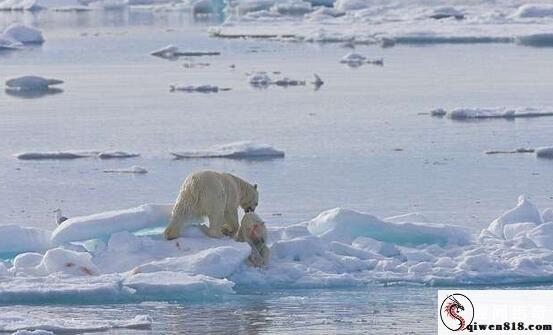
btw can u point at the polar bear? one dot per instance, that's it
(253, 231)
(215, 195)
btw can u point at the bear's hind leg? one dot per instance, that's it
(215, 225)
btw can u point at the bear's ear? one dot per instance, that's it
(255, 186)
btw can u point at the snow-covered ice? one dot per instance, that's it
(468, 113)
(19, 321)
(121, 256)
(116, 154)
(392, 22)
(24, 34)
(31, 83)
(82, 228)
(353, 59)
(74, 154)
(235, 150)
(14, 239)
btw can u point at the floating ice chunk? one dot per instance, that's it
(133, 169)
(235, 150)
(24, 34)
(15, 239)
(116, 154)
(172, 52)
(54, 155)
(447, 12)
(20, 320)
(438, 112)
(345, 225)
(514, 151)
(33, 332)
(494, 113)
(544, 152)
(355, 60)
(169, 285)
(260, 79)
(525, 211)
(534, 10)
(31, 83)
(109, 4)
(62, 288)
(199, 89)
(102, 225)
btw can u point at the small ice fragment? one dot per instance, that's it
(133, 170)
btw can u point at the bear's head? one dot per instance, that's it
(250, 198)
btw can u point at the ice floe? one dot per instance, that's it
(391, 22)
(465, 113)
(74, 154)
(24, 34)
(121, 256)
(21, 322)
(514, 151)
(82, 228)
(172, 52)
(197, 89)
(263, 80)
(355, 60)
(235, 150)
(31, 83)
(133, 170)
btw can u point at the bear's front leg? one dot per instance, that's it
(231, 223)
(172, 231)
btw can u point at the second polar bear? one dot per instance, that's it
(215, 195)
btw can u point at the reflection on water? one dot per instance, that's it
(32, 94)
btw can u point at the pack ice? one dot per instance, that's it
(121, 256)
(389, 22)
(234, 150)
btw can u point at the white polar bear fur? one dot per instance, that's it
(216, 196)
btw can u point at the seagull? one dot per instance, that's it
(59, 218)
